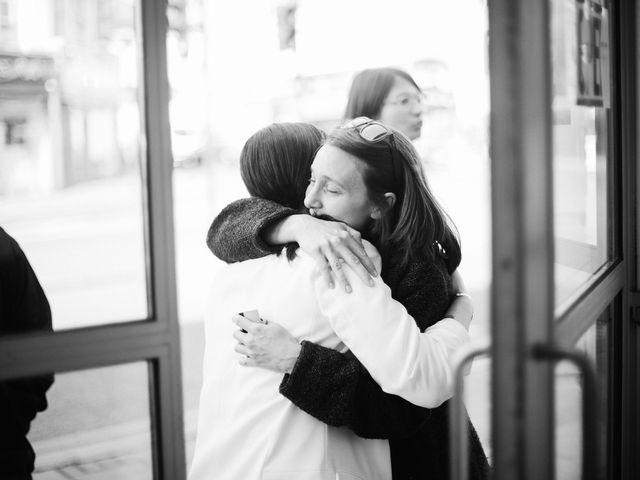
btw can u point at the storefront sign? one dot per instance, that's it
(593, 53)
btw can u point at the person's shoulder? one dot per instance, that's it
(6, 241)
(424, 271)
(259, 262)
(429, 263)
(275, 262)
(10, 251)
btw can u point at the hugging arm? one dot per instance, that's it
(336, 389)
(236, 233)
(386, 339)
(255, 227)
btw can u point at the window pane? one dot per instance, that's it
(580, 101)
(568, 402)
(70, 184)
(89, 424)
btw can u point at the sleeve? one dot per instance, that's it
(236, 233)
(20, 401)
(383, 336)
(23, 308)
(336, 389)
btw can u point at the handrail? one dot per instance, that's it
(589, 403)
(458, 434)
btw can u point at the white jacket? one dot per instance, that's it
(247, 430)
(385, 338)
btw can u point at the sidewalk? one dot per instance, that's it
(110, 453)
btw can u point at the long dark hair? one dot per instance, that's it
(275, 164)
(417, 225)
(370, 89)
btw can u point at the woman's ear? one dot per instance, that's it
(378, 211)
(390, 198)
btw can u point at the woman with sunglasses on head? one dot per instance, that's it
(389, 95)
(368, 176)
(245, 428)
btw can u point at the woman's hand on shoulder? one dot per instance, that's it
(332, 244)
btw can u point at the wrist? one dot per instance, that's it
(284, 230)
(294, 225)
(292, 358)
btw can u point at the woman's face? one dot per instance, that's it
(402, 109)
(336, 189)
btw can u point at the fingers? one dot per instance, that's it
(242, 337)
(346, 247)
(245, 324)
(243, 350)
(246, 358)
(325, 271)
(335, 263)
(247, 361)
(357, 256)
(337, 246)
(324, 268)
(357, 262)
(361, 271)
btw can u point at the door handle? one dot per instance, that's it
(458, 435)
(589, 410)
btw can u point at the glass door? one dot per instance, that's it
(561, 180)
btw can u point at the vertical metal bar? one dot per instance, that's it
(522, 287)
(458, 427)
(629, 102)
(168, 391)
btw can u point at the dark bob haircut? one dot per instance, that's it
(275, 164)
(276, 160)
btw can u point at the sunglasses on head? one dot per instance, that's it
(373, 131)
(369, 130)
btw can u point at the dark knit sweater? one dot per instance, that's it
(335, 387)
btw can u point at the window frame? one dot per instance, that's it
(156, 339)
